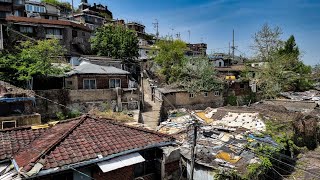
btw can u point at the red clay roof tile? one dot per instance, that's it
(75, 141)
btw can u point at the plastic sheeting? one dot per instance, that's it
(16, 99)
(120, 162)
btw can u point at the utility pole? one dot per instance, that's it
(233, 47)
(189, 35)
(178, 35)
(72, 8)
(156, 26)
(229, 49)
(194, 143)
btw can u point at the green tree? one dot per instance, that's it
(31, 59)
(285, 71)
(115, 41)
(197, 75)
(170, 57)
(192, 74)
(66, 5)
(267, 41)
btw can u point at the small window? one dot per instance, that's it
(68, 84)
(205, 94)
(217, 93)
(89, 84)
(191, 95)
(74, 33)
(52, 31)
(241, 86)
(17, 13)
(114, 83)
(8, 124)
(29, 7)
(26, 29)
(18, 2)
(42, 9)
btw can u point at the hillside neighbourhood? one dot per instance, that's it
(86, 95)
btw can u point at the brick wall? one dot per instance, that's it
(199, 101)
(82, 100)
(92, 95)
(171, 167)
(125, 173)
(102, 81)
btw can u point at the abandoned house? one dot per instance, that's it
(85, 148)
(17, 107)
(74, 37)
(181, 98)
(92, 76)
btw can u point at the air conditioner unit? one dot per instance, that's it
(33, 15)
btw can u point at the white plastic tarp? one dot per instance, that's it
(120, 162)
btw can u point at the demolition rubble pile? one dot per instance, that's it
(221, 139)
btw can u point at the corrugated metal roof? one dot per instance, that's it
(88, 68)
(119, 162)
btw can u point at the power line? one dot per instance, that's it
(313, 174)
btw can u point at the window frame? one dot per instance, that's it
(205, 94)
(216, 93)
(15, 123)
(95, 83)
(114, 83)
(26, 29)
(191, 95)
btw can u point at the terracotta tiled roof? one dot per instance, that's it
(14, 139)
(46, 21)
(75, 141)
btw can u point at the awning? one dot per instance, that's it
(120, 162)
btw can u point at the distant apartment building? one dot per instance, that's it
(92, 16)
(197, 49)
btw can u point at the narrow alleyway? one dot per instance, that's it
(151, 113)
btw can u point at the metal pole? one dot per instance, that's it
(233, 45)
(194, 143)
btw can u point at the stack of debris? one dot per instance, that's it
(222, 139)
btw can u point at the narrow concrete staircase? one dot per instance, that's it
(151, 112)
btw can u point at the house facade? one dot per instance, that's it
(181, 98)
(74, 37)
(92, 76)
(85, 148)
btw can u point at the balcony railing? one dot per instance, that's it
(52, 36)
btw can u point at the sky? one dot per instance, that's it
(212, 21)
